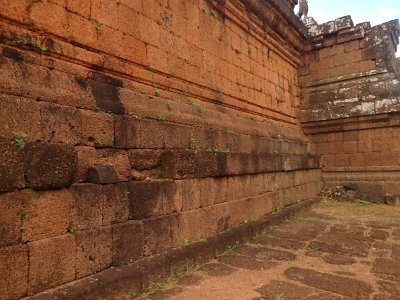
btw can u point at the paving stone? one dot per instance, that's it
(389, 287)
(387, 268)
(216, 269)
(341, 285)
(337, 259)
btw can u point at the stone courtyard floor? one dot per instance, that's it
(335, 250)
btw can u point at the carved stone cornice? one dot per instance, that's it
(278, 15)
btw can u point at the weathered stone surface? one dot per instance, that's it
(119, 159)
(216, 269)
(102, 174)
(285, 289)
(127, 242)
(157, 235)
(93, 251)
(387, 267)
(87, 212)
(60, 124)
(46, 214)
(49, 166)
(116, 204)
(51, 262)
(355, 289)
(18, 114)
(11, 210)
(145, 199)
(14, 271)
(105, 91)
(11, 167)
(97, 129)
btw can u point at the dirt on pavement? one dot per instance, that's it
(337, 250)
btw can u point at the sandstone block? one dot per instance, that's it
(190, 226)
(60, 124)
(157, 235)
(19, 115)
(145, 159)
(79, 7)
(88, 205)
(105, 90)
(87, 157)
(127, 242)
(14, 272)
(93, 251)
(189, 193)
(50, 166)
(52, 262)
(11, 167)
(46, 214)
(97, 129)
(119, 159)
(102, 174)
(49, 16)
(10, 218)
(116, 204)
(145, 199)
(131, 133)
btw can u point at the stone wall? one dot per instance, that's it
(131, 127)
(351, 102)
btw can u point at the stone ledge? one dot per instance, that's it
(115, 283)
(352, 123)
(363, 169)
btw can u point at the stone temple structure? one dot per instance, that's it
(130, 126)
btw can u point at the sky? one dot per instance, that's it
(374, 11)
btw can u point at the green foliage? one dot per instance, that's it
(280, 297)
(233, 132)
(192, 143)
(20, 139)
(155, 286)
(169, 105)
(31, 42)
(135, 116)
(257, 235)
(129, 296)
(229, 249)
(161, 118)
(99, 25)
(310, 153)
(185, 242)
(72, 229)
(214, 14)
(276, 153)
(150, 69)
(196, 106)
(157, 92)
